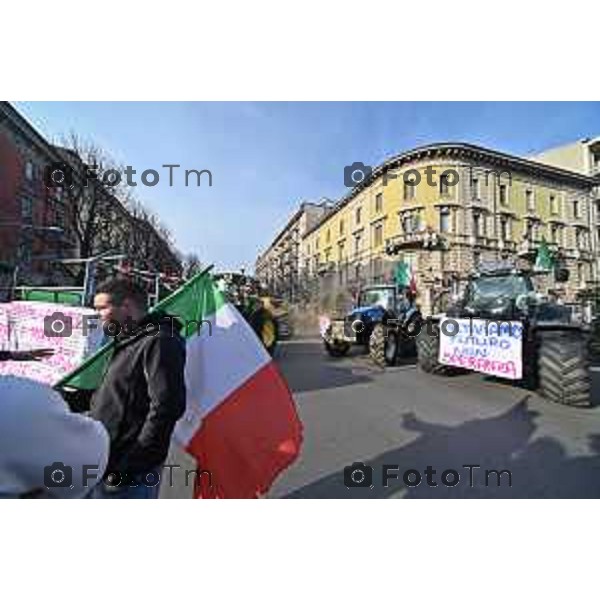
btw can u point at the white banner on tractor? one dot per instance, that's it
(490, 347)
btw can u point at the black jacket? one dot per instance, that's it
(142, 395)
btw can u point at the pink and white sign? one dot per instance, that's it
(25, 326)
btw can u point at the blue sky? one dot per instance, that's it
(267, 157)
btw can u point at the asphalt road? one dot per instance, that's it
(353, 411)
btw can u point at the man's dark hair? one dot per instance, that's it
(120, 289)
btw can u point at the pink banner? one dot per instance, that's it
(36, 325)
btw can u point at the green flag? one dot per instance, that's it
(544, 260)
(402, 275)
(189, 303)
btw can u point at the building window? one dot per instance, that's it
(553, 205)
(27, 209)
(576, 214)
(504, 229)
(553, 237)
(25, 253)
(342, 227)
(444, 220)
(378, 203)
(357, 272)
(328, 236)
(357, 244)
(503, 194)
(358, 211)
(580, 273)
(417, 223)
(29, 170)
(60, 216)
(581, 239)
(317, 244)
(377, 270)
(528, 229)
(409, 190)
(476, 224)
(444, 187)
(475, 188)
(378, 235)
(529, 200)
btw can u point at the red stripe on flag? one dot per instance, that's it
(248, 439)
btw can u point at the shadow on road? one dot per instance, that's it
(594, 394)
(539, 468)
(304, 374)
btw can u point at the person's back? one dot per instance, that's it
(45, 449)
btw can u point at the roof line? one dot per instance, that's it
(454, 147)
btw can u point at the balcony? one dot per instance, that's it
(406, 240)
(581, 254)
(507, 245)
(326, 267)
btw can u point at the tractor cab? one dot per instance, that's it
(366, 325)
(509, 294)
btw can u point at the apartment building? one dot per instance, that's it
(582, 156)
(37, 220)
(446, 207)
(32, 217)
(278, 267)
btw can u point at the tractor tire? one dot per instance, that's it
(384, 346)
(563, 368)
(427, 354)
(265, 327)
(337, 350)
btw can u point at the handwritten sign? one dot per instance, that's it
(25, 325)
(490, 347)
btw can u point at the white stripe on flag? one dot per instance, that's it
(219, 360)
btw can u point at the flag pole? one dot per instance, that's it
(60, 384)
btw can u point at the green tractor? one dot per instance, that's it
(244, 293)
(502, 327)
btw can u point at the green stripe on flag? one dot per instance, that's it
(544, 261)
(194, 301)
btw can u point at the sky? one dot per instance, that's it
(265, 158)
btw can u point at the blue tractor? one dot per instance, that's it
(378, 324)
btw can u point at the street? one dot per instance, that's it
(353, 411)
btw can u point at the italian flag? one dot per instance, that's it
(241, 423)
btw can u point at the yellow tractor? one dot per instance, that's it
(244, 293)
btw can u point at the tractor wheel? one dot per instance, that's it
(337, 350)
(383, 346)
(427, 354)
(563, 369)
(265, 327)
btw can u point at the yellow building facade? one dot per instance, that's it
(445, 208)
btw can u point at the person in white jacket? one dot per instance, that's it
(45, 449)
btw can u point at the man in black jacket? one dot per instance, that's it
(142, 394)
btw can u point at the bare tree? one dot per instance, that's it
(103, 213)
(191, 265)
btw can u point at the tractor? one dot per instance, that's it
(370, 325)
(244, 293)
(502, 327)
